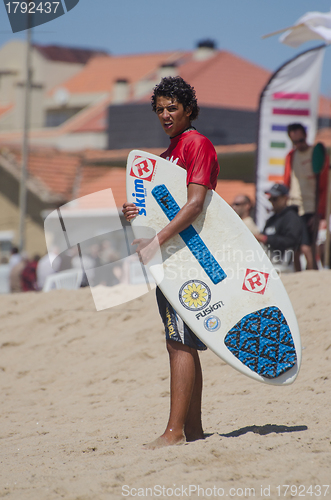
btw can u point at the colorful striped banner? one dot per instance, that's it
(279, 179)
(279, 128)
(294, 95)
(277, 161)
(289, 111)
(282, 128)
(290, 96)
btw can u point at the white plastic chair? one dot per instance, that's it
(69, 280)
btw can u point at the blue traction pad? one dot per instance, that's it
(190, 236)
(263, 342)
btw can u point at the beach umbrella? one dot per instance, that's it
(311, 26)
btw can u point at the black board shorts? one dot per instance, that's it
(175, 328)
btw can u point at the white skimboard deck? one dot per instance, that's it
(216, 275)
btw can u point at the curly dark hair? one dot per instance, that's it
(174, 87)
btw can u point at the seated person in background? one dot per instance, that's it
(242, 205)
(29, 275)
(15, 276)
(14, 258)
(282, 233)
(4, 275)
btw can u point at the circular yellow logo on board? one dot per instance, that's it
(194, 295)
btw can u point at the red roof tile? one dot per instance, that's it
(4, 109)
(100, 73)
(67, 54)
(324, 108)
(91, 116)
(324, 135)
(93, 122)
(56, 169)
(226, 80)
(102, 156)
(98, 178)
(59, 172)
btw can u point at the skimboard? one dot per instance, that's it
(216, 275)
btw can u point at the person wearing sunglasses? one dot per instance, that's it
(301, 181)
(242, 205)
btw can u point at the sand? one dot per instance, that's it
(83, 390)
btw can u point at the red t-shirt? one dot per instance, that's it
(197, 155)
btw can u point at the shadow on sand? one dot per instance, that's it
(265, 429)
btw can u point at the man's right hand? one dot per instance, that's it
(130, 211)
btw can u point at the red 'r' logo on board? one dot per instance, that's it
(255, 281)
(143, 168)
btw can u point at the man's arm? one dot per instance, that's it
(196, 194)
(288, 169)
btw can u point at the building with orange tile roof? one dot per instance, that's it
(84, 102)
(71, 111)
(51, 180)
(56, 177)
(51, 65)
(96, 179)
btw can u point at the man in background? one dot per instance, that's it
(283, 230)
(15, 276)
(301, 181)
(29, 275)
(44, 267)
(15, 257)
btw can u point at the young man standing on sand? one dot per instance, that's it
(175, 104)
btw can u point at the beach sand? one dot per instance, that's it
(83, 390)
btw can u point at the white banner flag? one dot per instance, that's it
(311, 26)
(291, 96)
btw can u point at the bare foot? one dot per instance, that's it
(194, 437)
(165, 440)
(194, 434)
